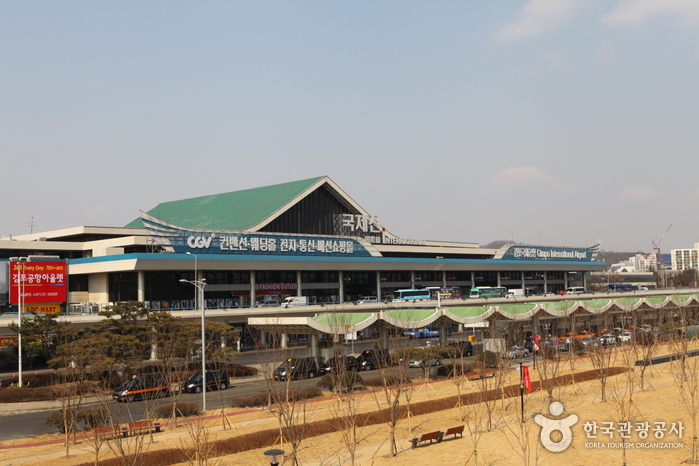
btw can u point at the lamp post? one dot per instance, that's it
(273, 453)
(20, 283)
(199, 285)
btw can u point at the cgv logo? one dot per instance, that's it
(199, 242)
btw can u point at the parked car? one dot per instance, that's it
(215, 379)
(374, 359)
(421, 363)
(297, 368)
(340, 363)
(514, 352)
(268, 303)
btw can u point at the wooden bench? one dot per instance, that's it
(144, 426)
(114, 430)
(431, 436)
(455, 431)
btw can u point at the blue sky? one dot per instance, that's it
(548, 122)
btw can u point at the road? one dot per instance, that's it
(31, 424)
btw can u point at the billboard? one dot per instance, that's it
(547, 253)
(39, 282)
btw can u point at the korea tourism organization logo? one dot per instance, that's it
(607, 434)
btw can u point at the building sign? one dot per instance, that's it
(370, 229)
(39, 282)
(521, 252)
(181, 240)
(42, 308)
(276, 286)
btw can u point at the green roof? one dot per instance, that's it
(237, 210)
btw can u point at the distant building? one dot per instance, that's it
(637, 263)
(685, 259)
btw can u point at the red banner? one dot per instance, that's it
(526, 380)
(39, 282)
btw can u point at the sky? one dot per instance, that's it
(554, 122)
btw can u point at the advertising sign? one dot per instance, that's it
(181, 240)
(39, 282)
(523, 252)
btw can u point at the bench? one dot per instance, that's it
(114, 430)
(455, 431)
(144, 426)
(431, 436)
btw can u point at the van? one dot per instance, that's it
(296, 368)
(267, 303)
(140, 387)
(214, 380)
(295, 301)
(575, 290)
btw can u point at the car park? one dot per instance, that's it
(296, 368)
(215, 379)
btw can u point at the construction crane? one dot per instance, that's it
(656, 248)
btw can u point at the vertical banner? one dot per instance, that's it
(526, 381)
(537, 343)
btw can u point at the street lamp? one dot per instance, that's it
(199, 285)
(274, 452)
(20, 284)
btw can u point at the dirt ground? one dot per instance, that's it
(509, 442)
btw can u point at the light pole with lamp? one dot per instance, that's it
(199, 285)
(20, 282)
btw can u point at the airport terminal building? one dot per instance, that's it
(257, 246)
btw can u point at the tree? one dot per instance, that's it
(42, 334)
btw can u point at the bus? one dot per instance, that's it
(488, 292)
(622, 287)
(427, 294)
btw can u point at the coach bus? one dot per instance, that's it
(623, 287)
(488, 292)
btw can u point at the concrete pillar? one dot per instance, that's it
(383, 338)
(314, 348)
(98, 284)
(341, 276)
(535, 325)
(284, 342)
(473, 279)
(412, 279)
(498, 277)
(524, 286)
(378, 285)
(141, 297)
(444, 278)
(546, 287)
(442, 333)
(298, 283)
(253, 288)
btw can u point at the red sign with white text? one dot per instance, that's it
(39, 282)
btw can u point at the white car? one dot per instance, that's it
(367, 299)
(420, 363)
(515, 352)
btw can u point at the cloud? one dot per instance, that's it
(637, 193)
(520, 176)
(538, 16)
(636, 12)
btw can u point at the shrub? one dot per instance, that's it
(56, 420)
(18, 395)
(452, 370)
(577, 346)
(489, 358)
(182, 409)
(261, 399)
(388, 380)
(94, 417)
(548, 352)
(345, 381)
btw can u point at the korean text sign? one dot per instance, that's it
(39, 282)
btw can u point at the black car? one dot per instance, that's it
(374, 359)
(339, 364)
(214, 380)
(141, 387)
(461, 348)
(296, 368)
